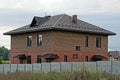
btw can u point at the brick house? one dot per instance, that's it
(59, 38)
(114, 55)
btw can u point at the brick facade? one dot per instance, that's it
(60, 43)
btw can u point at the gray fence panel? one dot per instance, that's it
(45, 67)
(6, 68)
(90, 66)
(104, 66)
(36, 67)
(1, 68)
(21, 67)
(77, 66)
(13, 67)
(65, 66)
(55, 67)
(116, 67)
(29, 67)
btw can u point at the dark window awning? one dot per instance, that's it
(98, 57)
(20, 56)
(52, 56)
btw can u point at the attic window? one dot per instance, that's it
(33, 23)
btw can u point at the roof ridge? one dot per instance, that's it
(58, 20)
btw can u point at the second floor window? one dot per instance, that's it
(39, 40)
(98, 42)
(86, 41)
(29, 41)
(78, 48)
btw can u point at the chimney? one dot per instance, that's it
(74, 18)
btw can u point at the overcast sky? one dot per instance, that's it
(102, 13)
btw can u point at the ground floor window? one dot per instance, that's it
(65, 58)
(86, 58)
(29, 59)
(39, 59)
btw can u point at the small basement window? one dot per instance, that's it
(75, 56)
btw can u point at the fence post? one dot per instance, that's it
(32, 68)
(50, 67)
(3, 69)
(60, 67)
(41, 67)
(97, 69)
(111, 67)
(10, 67)
(24, 67)
(71, 67)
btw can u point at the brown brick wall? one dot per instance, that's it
(57, 42)
(66, 41)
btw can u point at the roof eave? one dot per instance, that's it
(59, 29)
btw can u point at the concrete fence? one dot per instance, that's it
(112, 67)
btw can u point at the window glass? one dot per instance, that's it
(39, 60)
(39, 40)
(65, 58)
(78, 48)
(86, 41)
(29, 41)
(98, 42)
(75, 56)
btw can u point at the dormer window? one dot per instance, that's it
(38, 21)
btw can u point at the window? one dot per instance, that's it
(29, 59)
(65, 58)
(86, 58)
(39, 40)
(29, 41)
(75, 56)
(78, 48)
(98, 42)
(39, 60)
(86, 41)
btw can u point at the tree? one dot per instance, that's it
(4, 53)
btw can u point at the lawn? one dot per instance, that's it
(58, 76)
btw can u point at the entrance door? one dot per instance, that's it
(29, 59)
(65, 58)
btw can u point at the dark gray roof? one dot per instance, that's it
(114, 54)
(60, 22)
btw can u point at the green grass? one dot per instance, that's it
(58, 76)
